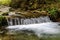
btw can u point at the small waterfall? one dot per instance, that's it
(25, 21)
(40, 29)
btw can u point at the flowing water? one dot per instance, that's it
(41, 25)
(40, 28)
(24, 21)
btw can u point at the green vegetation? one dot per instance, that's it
(3, 25)
(51, 6)
(5, 2)
(3, 21)
(31, 4)
(53, 12)
(23, 36)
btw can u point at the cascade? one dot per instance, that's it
(25, 21)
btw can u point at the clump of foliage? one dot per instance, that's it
(54, 13)
(3, 21)
(5, 2)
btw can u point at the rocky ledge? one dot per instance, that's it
(6, 11)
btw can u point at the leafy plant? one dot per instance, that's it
(53, 12)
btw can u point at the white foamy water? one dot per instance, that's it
(40, 28)
(25, 21)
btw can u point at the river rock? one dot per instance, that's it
(4, 9)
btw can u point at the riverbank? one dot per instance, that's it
(24, 36)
